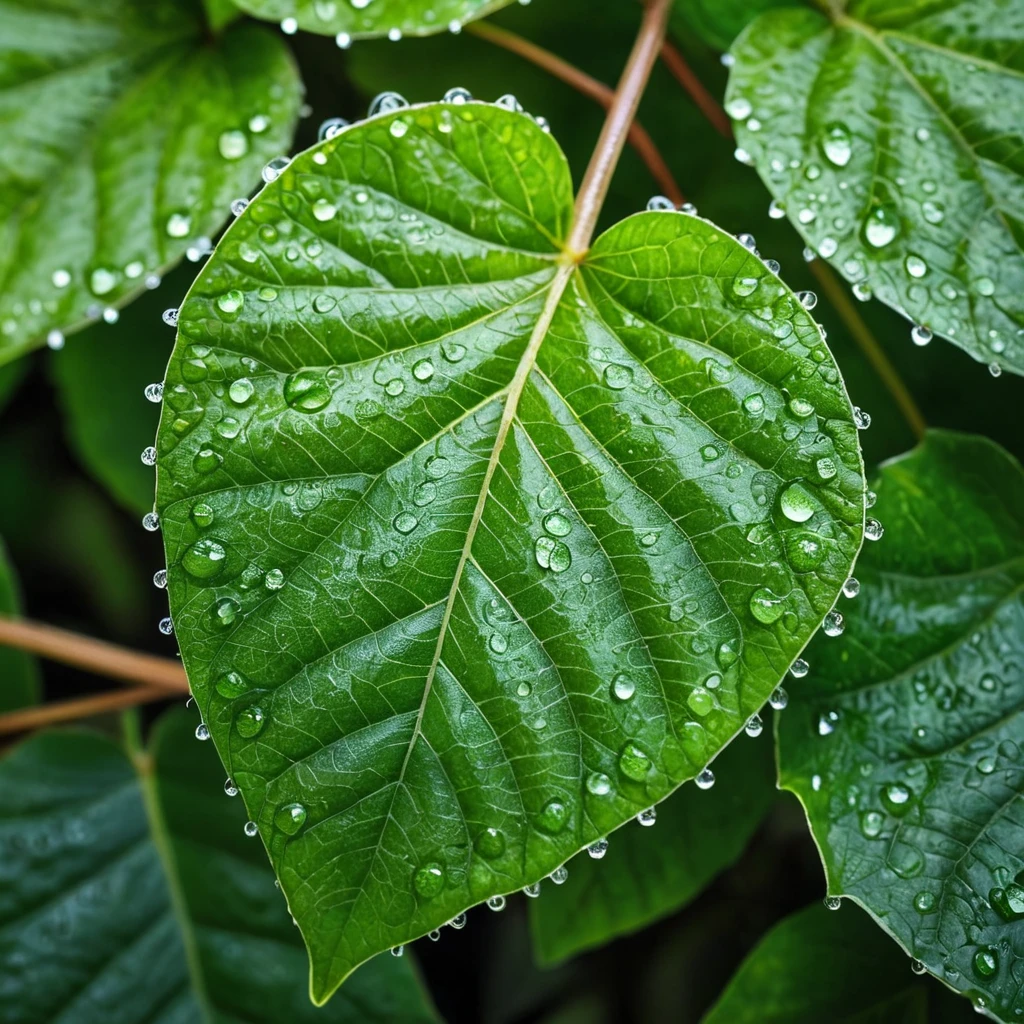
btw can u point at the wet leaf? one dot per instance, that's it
(474, 552)
(650, 872)
(19, 674)
(891, 137)
(130, 893)
(718, 22)
(904, 741)
(816, 966)
(356, 19)
(127, 133)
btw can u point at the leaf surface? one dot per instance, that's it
(718, 22)
(648, 873)
(475, 552)
(19, 673)
(892, 138)
(131, 894)
(127, 134)
(904, 741)
(393, 18)
(816, 966)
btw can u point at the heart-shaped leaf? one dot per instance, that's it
(476, 548)
(644, 874)
(361, 19)
(127, 134)
(891, 136)
(129, 893)
(904, 741)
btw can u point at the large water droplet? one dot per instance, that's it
(250, 721)
(836, 144)
(290, 818)
(307, 390)
(553, 817)
(428, 879)
(880, 227)
(204, 559)
(634, 763)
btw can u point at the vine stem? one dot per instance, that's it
(830, 284)
(591, 195)
(92, 655)
(81, 707)
(596, 90)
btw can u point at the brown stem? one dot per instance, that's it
(80, 707)
(706, 103)
(95, 656)
(639, 139)
(874, 352)
(591, 195)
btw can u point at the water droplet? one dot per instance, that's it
(662, 203)
(871, 823)
(897, 798)
(920, 335)
(532, 890)
(986, 962)
(776, 210)
(149, 456)
(551, 554)
(648, 817)
(851, 588)
(799, 668)
(230, 788)
(290, 818)
(634, 763)
(233, 144)
(274, 580)
(617, 377)
(307, 390)
(833, 624)
(179, 225)
(1008, 901)
(833, 902)
(766, 606)
(437, 467)
(251, 829)
(165, 626)
(204, 559)
(917, 967)
(807, 299)
(915, 266)
(386, 102)
(232, 684)
(429, 879)
(405, 522)
(754, 726)
(754, 404)
(206, 460)
(881, 227)
(496, 903)
(490, 843)
(862, 291)
(995, 369)
(861, 419)
(925, 902)
(739, 108)
(553, 817)
(797, 503)
(250, 721)
(557, 524)
(705, 779)
(700, 701)
(151, 522)
(623, 686)
(779, 699)
(559, 875)
(873, 529)
(836, 144)
(599, 784)
(598, 849)
(202, 731)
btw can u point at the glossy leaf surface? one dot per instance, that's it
(357, 20)
(904, 741)
(892, 138)
(131, 894)
(19, 674)
(650, 872)
(474, 552)
(819, 966)
(127, 133)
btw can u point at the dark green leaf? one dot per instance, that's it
(432, 495)
(718, 22)
(648, 873)
(893, 139)
(19, 675)
(819, 966)
(903, 743)
(355, 19)
(130, 893)
(106, 416)
(127, 134)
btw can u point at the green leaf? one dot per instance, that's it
(891, 137)
(350, 20)
(433, 494)
(718, 22)
(903, 743)
(19, 674)
(130, 893)
(648, 873)
(127, 134)
(819, 966)
(106, 416)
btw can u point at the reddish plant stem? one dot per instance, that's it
(706, 103)
(80, 707)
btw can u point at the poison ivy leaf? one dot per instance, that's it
(19, 674)
(816, 966)
(106, 416)
(477, 548)
(130, 894)
(904, 741)
(354, 19)
(127, 133)
(891, 137)
(718, 22)
(648, 873)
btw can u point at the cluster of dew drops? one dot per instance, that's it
(429, 879)
(880, 227)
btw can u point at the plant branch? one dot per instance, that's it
(639, 139)
(706, 103)
(874, 352)
(616, 126)
(95, 656)
(80, 707)
(830, 284)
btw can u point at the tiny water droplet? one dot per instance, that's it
(251, 829)
(705, 779)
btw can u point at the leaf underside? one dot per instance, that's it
(369, 20)
(127, 134)
(893, 139)
(172, 918)
(904, 741)
(474, 553)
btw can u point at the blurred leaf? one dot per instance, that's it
(19, 674)
(819, 966)
(903, 743)
(648, 873)
(718, 22)
(892, 137)
(130, 893)
(127, 133)
(11, 376)
(221, 13)
(376, 474)
(353, 19)
(100, 378)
